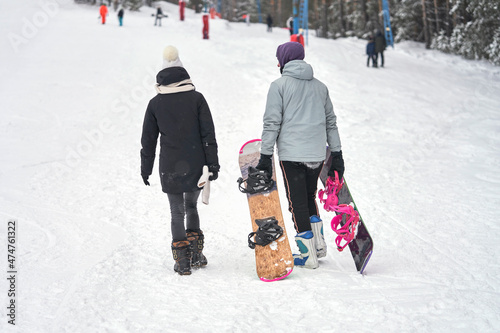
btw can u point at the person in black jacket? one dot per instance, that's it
(159, 15)
(121, 12)
(380, 45)
(187, 143)
(269, 21)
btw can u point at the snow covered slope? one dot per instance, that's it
(422, 150)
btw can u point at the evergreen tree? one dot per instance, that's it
(494, 49)
(476, 33)
(132, 5)
(407, 21)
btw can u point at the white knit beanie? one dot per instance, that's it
(171, 57)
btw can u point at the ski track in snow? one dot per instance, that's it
(420, 140)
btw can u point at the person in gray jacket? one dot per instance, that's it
(299, 119)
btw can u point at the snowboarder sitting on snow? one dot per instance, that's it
(299, 119)
(187, 143)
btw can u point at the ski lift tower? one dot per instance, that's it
(259, 11)
(387, 24)
(301, 18)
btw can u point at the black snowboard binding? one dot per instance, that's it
(257, 181)
(268, 231)
(181, 251)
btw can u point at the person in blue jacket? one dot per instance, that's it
(299, 119)
(370, 52)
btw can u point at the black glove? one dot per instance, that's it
(214, 169)
(266, 164)
(145, 179)
(337, 164)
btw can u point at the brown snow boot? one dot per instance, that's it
(181, 251)
(196, 240)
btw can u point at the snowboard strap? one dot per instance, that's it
(345, 225)
(268, 231)
(257, 181)
(332, 188)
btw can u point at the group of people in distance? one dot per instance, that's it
(375, 47)
(103, 13)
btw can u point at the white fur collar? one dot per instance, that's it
(184, 85)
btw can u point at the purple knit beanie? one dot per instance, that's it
(288, 52)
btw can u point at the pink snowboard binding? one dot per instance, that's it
(332, 189)
(345, 232)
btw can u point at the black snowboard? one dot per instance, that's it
(362, 246)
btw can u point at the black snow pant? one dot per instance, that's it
(183, 204)
(301, 184)
(381, 59)
(372, 58)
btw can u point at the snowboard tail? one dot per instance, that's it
(361, 247)
(274, 261)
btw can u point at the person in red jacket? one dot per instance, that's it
(103, 10)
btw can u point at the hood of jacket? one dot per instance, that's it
(298, 69)
(171, 75)
(173, 80)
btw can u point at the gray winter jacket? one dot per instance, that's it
(299, 116)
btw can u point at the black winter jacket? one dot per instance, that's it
(187, 140)
(380, 43)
